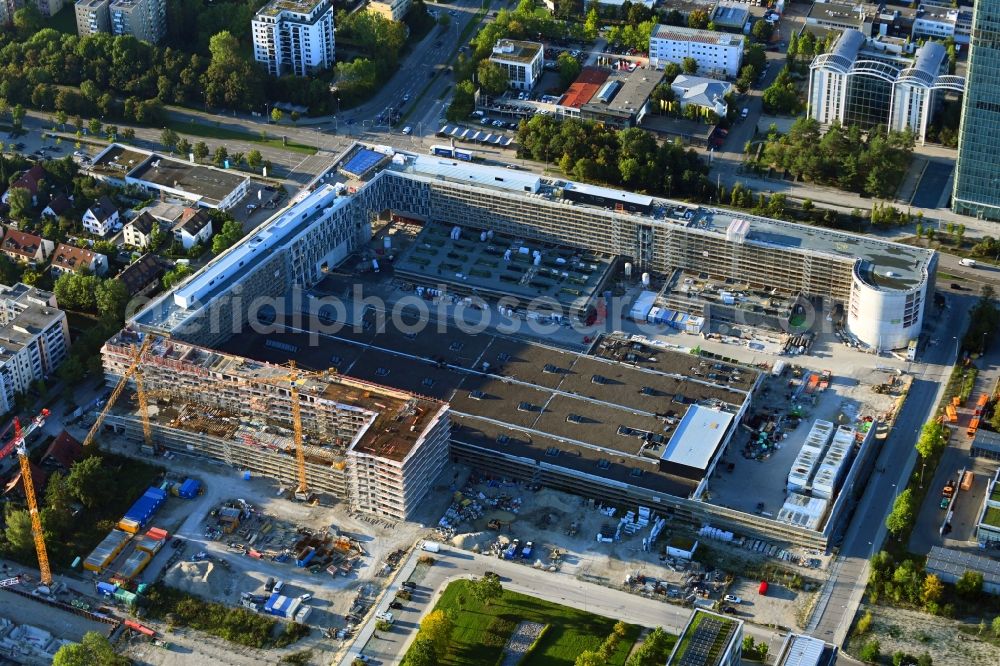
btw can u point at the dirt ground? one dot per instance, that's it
(545, 517)
(913, 632)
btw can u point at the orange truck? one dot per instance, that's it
(967, 480)
(981, 403)
(973, 426)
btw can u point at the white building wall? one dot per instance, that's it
(885, 318)
(912, 107)
(292, 42)
(712, 59)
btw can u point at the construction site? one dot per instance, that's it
(331, 436)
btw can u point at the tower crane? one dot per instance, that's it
(18, 442)
(293, 378)
(133, 369)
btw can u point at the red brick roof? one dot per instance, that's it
(29, 179)
(21, 243)
(71, 258)
(63, 451)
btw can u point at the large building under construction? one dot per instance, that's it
(379, 449)
(626, 423)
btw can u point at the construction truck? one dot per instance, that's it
(949, 489)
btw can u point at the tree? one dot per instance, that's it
(19, 201)
(231, 232)
(487, 589)
(901, 517)
(76, 291)
(94, 649)
(444, 20)
(970, 585)
(462, 102)
(90, 482)
(870, 652)
(17, 116)
(254, 158)
(200, 150)
(128, 134)
(220, 156)
(58, 504)
(276, 115)
(762, 31)
(61, 118)
(590, 658)
(781, 96)
(111, 298)
(569, 69)
(183, 147)
(925, 660)
(294, 116)
(169, 139)
(995, 626)
(592, 26)
(698, 19)
(18, 533)
(932, 440)
(492, 78)
(71, 371)
(175, 275)
(436, 627)
(689, 65)
(933, 589)
(95, 126)
(421, 652)
(654, 650)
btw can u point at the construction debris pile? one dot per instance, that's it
(26, 644)
(250, 532)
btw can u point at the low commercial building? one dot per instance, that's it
(988, 524)
(72, 259)
(731, 17)
(522, 62)
(703, 93)
(855, 84)
(716, 53)
(802, 650)
(949, 565)
(623, 100)
(34, 339)
(709, 639)
(394, 10)
(836, 16)
(941, 23)
(172, 179)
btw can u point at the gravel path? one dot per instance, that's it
(522, 639)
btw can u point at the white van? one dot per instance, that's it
(971, 263)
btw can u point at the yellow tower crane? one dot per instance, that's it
(132, 370)
(293, 378)
(18, 442)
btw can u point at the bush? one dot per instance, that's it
(383, 625)
(864, 623)
(498, 632)
(870, 652)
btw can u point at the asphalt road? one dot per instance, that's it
(451, 564)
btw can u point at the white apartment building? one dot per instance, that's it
(394, 10)
(294, 36)
(856, 85)
(146, 20)
(934, 22)
(718, 54)
(523, 61)
(34, 339)
(92, 17)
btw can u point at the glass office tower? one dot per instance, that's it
(977, 174)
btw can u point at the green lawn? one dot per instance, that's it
(209, 132)
(481, 632)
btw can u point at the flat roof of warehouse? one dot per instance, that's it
(697, 437)
(212, 185)
(596, 408)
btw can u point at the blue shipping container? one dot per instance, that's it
(280, 606)
(189, 489)
(156, 492)
(308, 558)
(106, 588)
(269, 604)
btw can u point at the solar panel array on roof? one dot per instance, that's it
(362, 162)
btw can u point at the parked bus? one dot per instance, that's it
(448, 151)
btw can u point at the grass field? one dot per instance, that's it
(208, 132)
(481, 632)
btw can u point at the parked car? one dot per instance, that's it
(395, 605)
(733, 599)
(407, 130)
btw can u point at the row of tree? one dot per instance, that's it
(629, 158)
(871, 163)
(378, 42)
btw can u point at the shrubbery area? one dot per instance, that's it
(237, 625)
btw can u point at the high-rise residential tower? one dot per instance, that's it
(977, 172)
(294, 36)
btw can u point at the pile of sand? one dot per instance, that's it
(201, 578)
